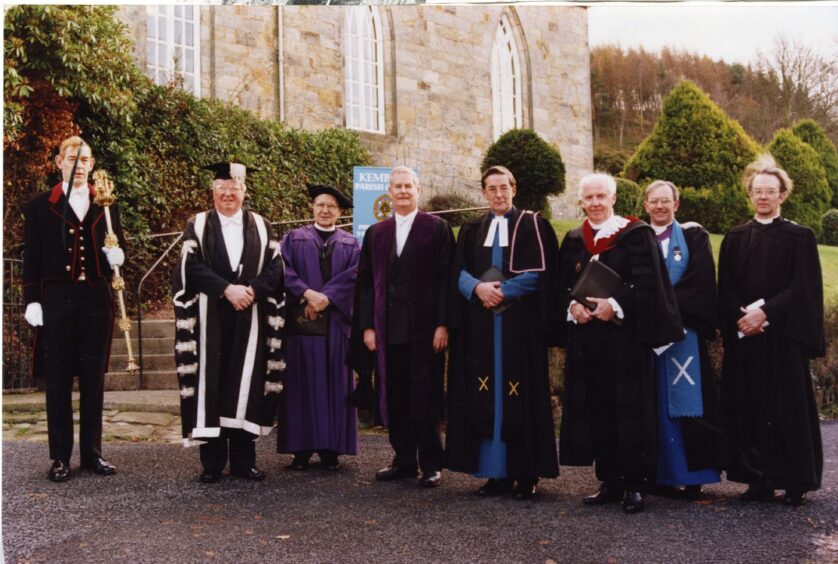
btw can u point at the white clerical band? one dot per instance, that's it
(504, 232)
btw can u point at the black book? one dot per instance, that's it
(296, 322)
(493, 274)
(596, 281)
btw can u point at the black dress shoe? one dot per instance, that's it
(329, 462)
(59, 471)
(101, 467)
(692, 492)
(208, 477)
(794, 499)
(495, 486)
(299, 464)
(633, 501)
(756, 493)
(395, 473)
(525, 489)
(431, 479)
(606, 494)
(252, 474)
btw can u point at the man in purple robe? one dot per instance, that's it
(321, 265)
(403, 286)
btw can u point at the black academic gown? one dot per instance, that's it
(527, 427)
(767, 394)
(230, 363)
(695, 292)
(609, 413)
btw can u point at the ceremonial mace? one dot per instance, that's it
(105, 197)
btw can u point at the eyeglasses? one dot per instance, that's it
(233, 189)
(759, 193)
(659, 201)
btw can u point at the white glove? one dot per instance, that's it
(115, 255)
(34, 314)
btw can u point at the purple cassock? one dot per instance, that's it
(314, 412)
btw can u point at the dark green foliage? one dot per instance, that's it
(536, 165)
(830, 227)
(82, 51)
(611, 161)
(813, 134)
(693, 143)
(453, 201)
(154, 140)
(629, 198)
(717, 208)
(811, 196)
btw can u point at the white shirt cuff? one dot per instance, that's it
(617, 309)
(570, 315)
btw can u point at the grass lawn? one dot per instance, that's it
(829, 258)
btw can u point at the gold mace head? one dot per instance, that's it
(104, 188)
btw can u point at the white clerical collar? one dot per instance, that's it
(499, 224)
(402, 219)
(766, 221)
(83, 189)
(608, 227)
(660, 229)
(326, 229)
(235, 219)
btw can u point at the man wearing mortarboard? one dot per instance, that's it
(321, 266)
(66, 273)
(227, 289)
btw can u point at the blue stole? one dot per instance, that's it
(681, 360)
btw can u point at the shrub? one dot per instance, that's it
(718, 208)
(830, 227)
(814, 135)
(693, 143)
(453, 201)
(611, 161)
(536, 165)
(629, 198)
(810, 197)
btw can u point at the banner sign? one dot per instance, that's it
(370, 197)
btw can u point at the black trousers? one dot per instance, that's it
(407, 436)
(235, 444)
(76, 340)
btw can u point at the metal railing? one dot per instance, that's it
(17, 335)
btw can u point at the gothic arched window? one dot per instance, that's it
(364, 70)
(506, 81)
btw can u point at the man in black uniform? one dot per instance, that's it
(66, 268)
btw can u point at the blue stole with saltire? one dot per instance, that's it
(681, 360)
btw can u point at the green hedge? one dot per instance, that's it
(629, 198)
(153, 140)
(810, 197)
(814, 135)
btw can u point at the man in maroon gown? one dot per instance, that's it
(403, 285)
(321, 265)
